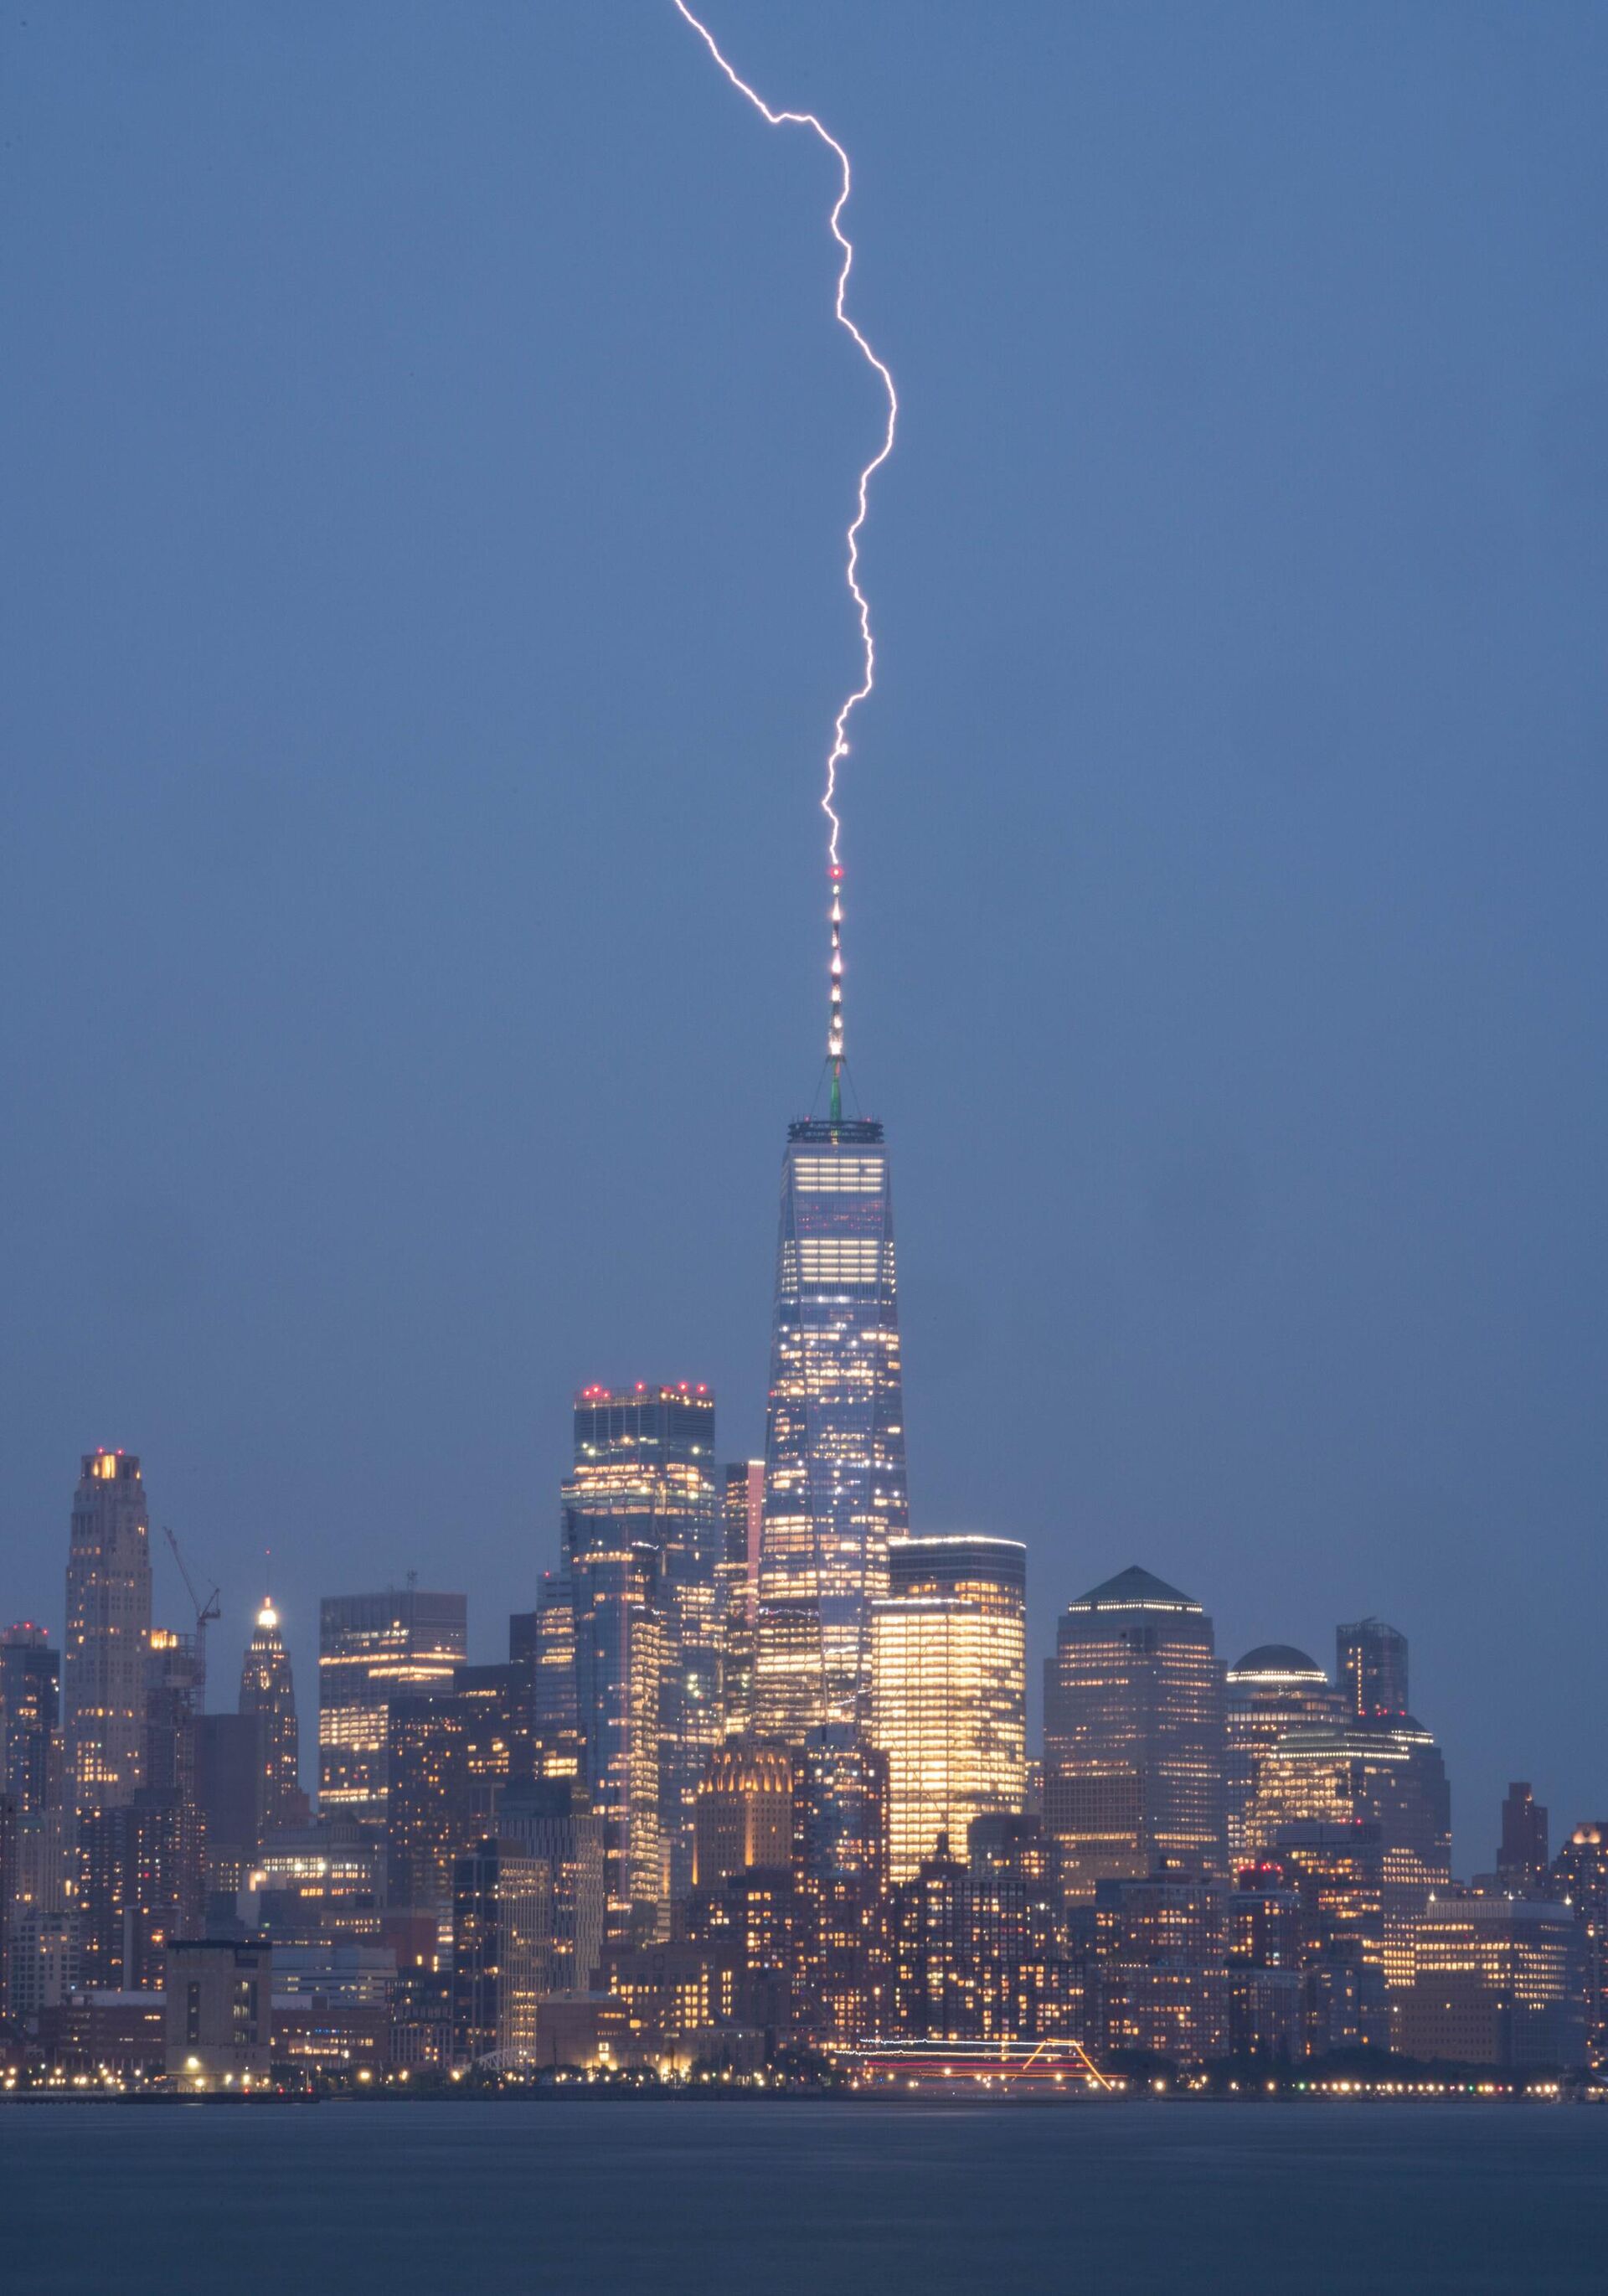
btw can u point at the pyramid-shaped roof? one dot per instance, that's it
(1135, 1589)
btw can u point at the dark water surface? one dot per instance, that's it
(782, 2197)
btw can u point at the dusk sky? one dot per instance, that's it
(427, 448)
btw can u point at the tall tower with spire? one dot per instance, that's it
(834, 1437)
(266, 1688)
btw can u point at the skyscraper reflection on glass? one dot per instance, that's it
(834, 1442)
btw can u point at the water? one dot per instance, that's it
(778, 2197)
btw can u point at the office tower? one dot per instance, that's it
(232, 1770)
(452, 1750)
(499, 1729)
(266, 1688)
(641, 1539)
(1337, 1870)
(743, 1815)
(564, 1846)
(30, 1674)
(742, 1517)
(1133, 1735)
(551, 1642)
(138, 1888)
(1495, 1981)
(139, 1861)
(973, 1952)
(1266, 1991)
(948, 1688)
(1522, 1860)
(1162, 1971)
(108, 1629)
(317, 1880)
(1272, 1689)
(1370, 1666)
(840, 1839)
(372, 1648)
(528, 1922)
(843, 1807)
(834, 1437)
(429, 1822)
(8, 1878)
(1579, 1878)
(1351, 1774)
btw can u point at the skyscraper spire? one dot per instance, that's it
(834, 1029)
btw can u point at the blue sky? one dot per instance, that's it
(427, 448)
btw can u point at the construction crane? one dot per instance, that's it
(205, 1613)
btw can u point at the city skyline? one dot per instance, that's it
(1223, 931)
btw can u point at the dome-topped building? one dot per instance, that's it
(1274, 1688)
(1276, 1663)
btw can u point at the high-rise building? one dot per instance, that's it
(550, 1639)
(1495, 1981)
(1370, 1666)
(843, 1807)
(834, 1441)
(266, 1688)
(948, 1693)
(30, 1678)
(1351, 1774)
(528, 1922)
(372, 1648)
(742, 1517)
(1579, 1878)
(640, 1540)
(1522, 1860)
(745, 1814)
(539, 1820)
(429, 1817)
(232, 1770)
(107, 1633)
(1272, 1689)
(1162, 1976)
(1133, 1735)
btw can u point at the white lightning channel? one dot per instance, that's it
(840, 731)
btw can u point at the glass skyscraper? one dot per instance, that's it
(372, 1648)
(835, 1438)
(642, 1537)
(949, 1690)
(1274, 1688)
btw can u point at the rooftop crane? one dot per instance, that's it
(204, 1613)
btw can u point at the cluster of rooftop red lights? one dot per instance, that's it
(673, 1387)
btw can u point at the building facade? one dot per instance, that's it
(1272, 1689)
(30, 1703)
(1371, 1668)
(742, 1518)
(745, 1814)
(267, 1688)
(108, 1634)
(218, 2014)
(642, 1537)
(1133, 1735)
(834, 1445)
(372, 1648)
(1495, 1981)
(948, 1693)
(1388, 1776)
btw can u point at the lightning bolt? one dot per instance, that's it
(839, 749)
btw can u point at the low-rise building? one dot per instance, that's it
(218, 2012)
